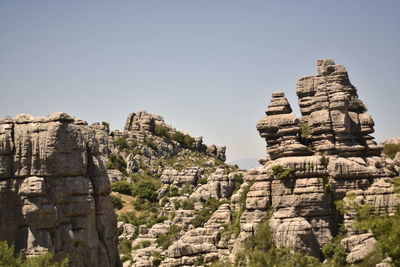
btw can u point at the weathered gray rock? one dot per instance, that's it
(186, 176)
(358, 246)
(280, 128)
(54, 190)
(219, 185)
(324, 156)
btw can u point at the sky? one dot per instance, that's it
(208, 67)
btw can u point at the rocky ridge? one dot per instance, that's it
(191, 184)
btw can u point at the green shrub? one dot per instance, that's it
(116, 162)
(282, 172)
(144, 218)
(116, 202)
(391, 150)
(125, 247)
(9, 258)
(260, 252)
(165, 240)
(177, 204)
(386, 230)
(185, 140)
(133, 147)
(127, 217)
(122, 187)
(199, 261)
(334, 251)
(143, 244)
(203, 215)
(188, 205)
(173, 191)
(146, 187)
(162, 131)
(145, 205)
(305, 131)
(164, 201)
(238, 181)
(324, 161)
(122, 143)
(150, 143)
(157, 258)
(107, 125)
(186, 189)
(202, 180)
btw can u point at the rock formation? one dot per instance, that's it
(54, 190)
(325, 156)
(315, 161)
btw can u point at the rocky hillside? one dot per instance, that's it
(167, 185)
(325, 194)
(321, 168)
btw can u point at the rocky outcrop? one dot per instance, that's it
(141, 126)
(219, 185)
(281, 128)
(315, 160)
(333, 113)
(55, 190)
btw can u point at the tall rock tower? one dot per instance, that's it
(317, 159)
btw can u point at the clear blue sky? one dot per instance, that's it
(208, 67)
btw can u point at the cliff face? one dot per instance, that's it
(54, 190)
(316, 160)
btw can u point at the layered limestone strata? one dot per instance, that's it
(316, 160)
(54, 190)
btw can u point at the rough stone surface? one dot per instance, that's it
(54, 190)
(324, 156)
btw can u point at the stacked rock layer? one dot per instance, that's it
(54, 190)
(316, 160)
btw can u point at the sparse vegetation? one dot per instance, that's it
(185, 140)
(144, 188)
(125, 247)
(116, 202)
(165, 240)
(234, 228)
(150, 143)
(122, 187)
(157, 258)
(107, 125)
(203, 215)
(391, 150)
(334, 251)
(143, 244)
(259, 251)
(188, 205)
(162, 131)
(238, 182)
(202, 180)
(305, 131)
(186, 190)
(10, 258)
(282, 172)
(116, 162)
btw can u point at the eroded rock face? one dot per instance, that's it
(334, 114)
(324, 156)
(54, 190)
